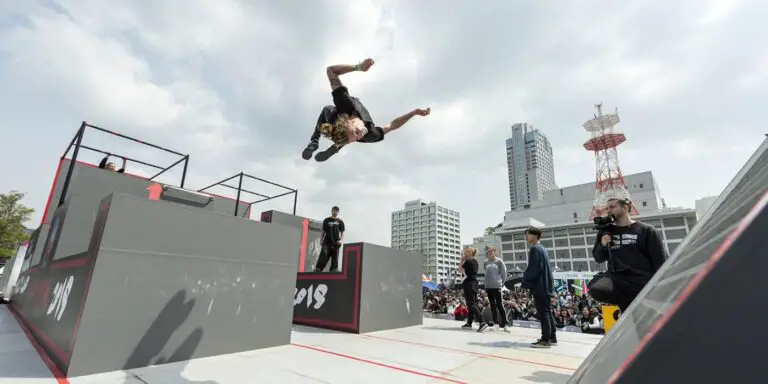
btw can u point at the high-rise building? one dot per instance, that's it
(530, 165)
(433, 231)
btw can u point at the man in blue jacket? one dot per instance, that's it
(539, 280)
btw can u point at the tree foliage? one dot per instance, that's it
(13, 215)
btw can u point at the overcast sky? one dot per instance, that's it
(239, 84)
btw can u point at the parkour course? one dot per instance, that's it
(124, 272)
(187, 271)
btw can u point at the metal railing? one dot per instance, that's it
(239, 188)
(77, 143)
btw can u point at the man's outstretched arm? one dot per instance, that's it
(400, 121)
(334, 71)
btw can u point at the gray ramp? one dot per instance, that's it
(378, 288)
(162, 282)
(663, 337)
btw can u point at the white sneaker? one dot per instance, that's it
(506, 329)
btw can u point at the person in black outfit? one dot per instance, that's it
(634, 252)
(539, 280)
(110, 166)
(333, 237)
(469, 266)
(348, 120)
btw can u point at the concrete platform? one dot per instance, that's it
(436, 352)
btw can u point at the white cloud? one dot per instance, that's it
(238, 85)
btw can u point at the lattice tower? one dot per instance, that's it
(609, 181)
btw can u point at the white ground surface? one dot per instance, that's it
(436, 352)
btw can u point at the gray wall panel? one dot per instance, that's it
(88, 187)
(391, 289)
(97, 183)
(313, 245)
(173, 282)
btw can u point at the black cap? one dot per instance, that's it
(334, 208)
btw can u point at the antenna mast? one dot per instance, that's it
(609, 181)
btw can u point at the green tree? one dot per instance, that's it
(489, 231)
(13, 215)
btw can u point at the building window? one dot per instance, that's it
(645, 204)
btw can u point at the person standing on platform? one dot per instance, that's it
(469, 267)
(539, 280)
(332, 239)
(495, 274)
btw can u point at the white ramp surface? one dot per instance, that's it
(437, 352)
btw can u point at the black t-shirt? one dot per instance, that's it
(470, 269)
(352, 106)
(332, 228)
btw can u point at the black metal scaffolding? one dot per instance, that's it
(239, 188)
(77, 144)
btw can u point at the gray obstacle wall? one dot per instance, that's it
(311, 234)
(378, 288)
(88, 186)
(391, 293)
(161, 282)
(88, 179)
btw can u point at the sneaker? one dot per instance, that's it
(506, 329)
(541, 344)
(325, 155)
(482, 327)
(310, 149)
(553, 341)
(466, 326)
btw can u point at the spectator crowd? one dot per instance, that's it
(569, 309)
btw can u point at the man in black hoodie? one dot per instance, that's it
(634, 252)
(539, 280)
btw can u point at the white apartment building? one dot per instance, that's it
(433, 231)
(530, 166)
(573, 204)
(570, 245)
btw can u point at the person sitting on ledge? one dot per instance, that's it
(110, 166)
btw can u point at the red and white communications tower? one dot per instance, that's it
(609, 181)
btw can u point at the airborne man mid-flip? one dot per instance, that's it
(347, 120)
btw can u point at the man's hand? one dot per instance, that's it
(422, 112)
(606, 239)
(367, 64)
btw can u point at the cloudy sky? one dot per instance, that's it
(238, 85)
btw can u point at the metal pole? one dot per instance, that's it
(269, 182)
(71, 143)
(123, 157)
(167, 168)
(244, 190)
(218, 183)
(184, 172)
(72, 162)
(295, 198)
(239, 188)
(132, 139)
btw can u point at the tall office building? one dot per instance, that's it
(433, 231)
(530, 165)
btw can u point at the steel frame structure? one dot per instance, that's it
(77, 143)
(240, 176)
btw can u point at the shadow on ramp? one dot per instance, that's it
(151, 346)
(547, 377)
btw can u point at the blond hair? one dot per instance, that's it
(337, 131)
(472, 251)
